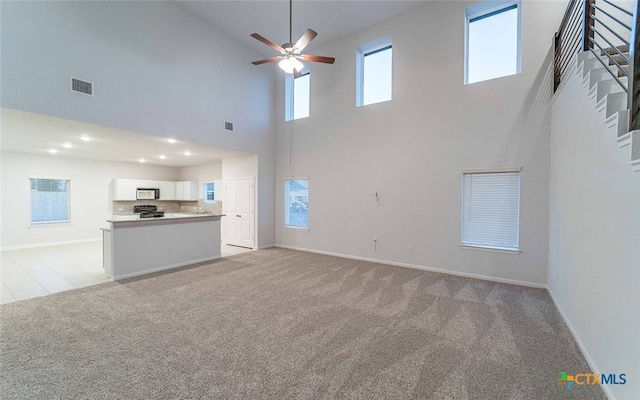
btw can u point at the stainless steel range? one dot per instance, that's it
(148, 211)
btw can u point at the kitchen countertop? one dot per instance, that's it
(167, 216)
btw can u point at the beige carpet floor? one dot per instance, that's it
(283, 324)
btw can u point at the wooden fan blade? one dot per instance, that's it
(322, 59)
(268, 42)
(305, 39)
(267, 60)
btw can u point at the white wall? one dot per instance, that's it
(594, 236)
(411, 149)
(203, 174)
(90, 199)
(156, 69)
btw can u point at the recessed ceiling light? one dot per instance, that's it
(141, 160)
(85, 138)
(162, 156)
(187, 153)
(67, 145)
(53, 151)
(172, 141)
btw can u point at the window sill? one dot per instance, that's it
(490, 249)
(35, 224)
(296, 228)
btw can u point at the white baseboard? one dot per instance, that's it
(267, 246)
(31, 246)
(163, 268)
(581, 345)
(421, 267)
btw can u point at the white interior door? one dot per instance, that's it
(240, 212)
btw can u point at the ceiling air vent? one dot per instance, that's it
(81, 86)
(228, 126)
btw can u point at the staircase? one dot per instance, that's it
(610, 99)
(603, 39)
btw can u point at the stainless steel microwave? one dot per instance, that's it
(147, 194)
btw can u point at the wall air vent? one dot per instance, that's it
(81, 86)
(228, 126)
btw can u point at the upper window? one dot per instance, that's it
(493, 45)
(50, 201)
(374, 63)
(491, 209)
(297, 96)
(296, 207)
(209, 192)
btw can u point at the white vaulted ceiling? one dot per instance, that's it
(331, 19)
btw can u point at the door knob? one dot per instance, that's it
(238, 215)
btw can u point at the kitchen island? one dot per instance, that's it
(135, 246)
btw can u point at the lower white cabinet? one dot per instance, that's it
(186, 190)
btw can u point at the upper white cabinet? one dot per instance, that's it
(186, 190)
(167, 190)
(148, 184)
(124, 189)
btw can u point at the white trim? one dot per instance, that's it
(266, 246)
(30, 246)
(421, 267)
(581, 345)
(164, 268)
(489, 170)
(513, 252)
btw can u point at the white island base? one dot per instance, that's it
(142, 246)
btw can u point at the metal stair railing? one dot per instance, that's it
(602, 29)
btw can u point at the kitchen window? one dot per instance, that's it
(50, 201)
(491, 209)
(296, 207)
(208, 189)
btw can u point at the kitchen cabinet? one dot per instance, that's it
(186, 190)
(167, 190)
(124, 189)
(148, 184)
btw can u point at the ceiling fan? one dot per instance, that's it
(290, 52)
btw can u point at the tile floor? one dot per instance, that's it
(41, 271)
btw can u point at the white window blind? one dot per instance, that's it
(49, 200)
(491, 210)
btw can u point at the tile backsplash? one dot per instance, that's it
(126, 207)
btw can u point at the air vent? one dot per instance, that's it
(228, 126)
(81, 86)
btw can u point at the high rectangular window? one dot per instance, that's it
(50, 201)
(374, 72)
(493, 43)
(491, 209)
(296, 207)
(297, 90)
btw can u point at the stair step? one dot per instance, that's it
(607, 86)
(619, 123)
(610, 50)
(635, 150)
(612, 103)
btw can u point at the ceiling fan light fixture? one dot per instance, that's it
(290, 64)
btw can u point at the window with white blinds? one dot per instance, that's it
(491, 210)
(50, 201)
